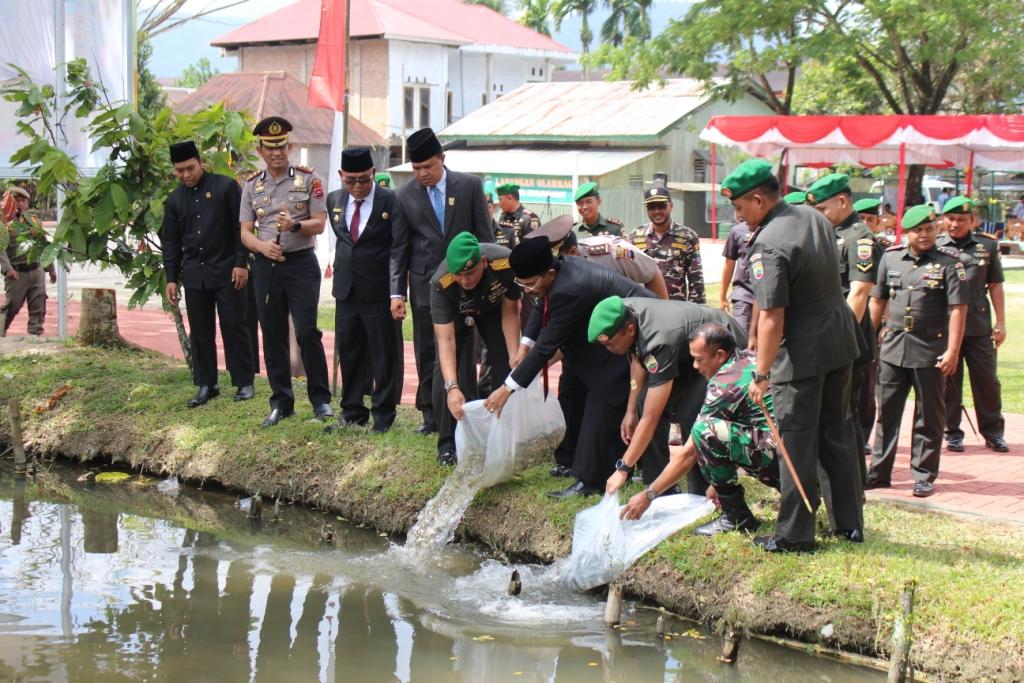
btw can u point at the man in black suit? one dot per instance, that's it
(361, 216)
(429, 212)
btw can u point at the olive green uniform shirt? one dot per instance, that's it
(514, 226)
(450, 303)
(859, 255)
(980, 255)
(603, 226)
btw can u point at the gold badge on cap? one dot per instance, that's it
(726, 192)
(653, 191)
(810, 198)
(274, 128)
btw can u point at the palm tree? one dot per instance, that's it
(563, 8)
(496, 5)
(536, 15)
(628, 18)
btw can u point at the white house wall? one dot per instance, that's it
(416, 65)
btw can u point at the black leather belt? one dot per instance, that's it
(26, 267)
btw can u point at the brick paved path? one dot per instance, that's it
(974, 482)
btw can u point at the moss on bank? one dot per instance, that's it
(129, 407)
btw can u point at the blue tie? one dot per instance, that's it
(437, 200)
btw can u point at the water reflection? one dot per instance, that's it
(95, 588)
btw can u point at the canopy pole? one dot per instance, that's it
(970, 173)
(901, 201)
(714, 191)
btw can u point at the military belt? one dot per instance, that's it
(25, 267)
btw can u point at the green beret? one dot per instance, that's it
(958, 205)
(827, 187)
(463, 253)
(586, 190)
(917, 216)
(867, 205)
(606, 319)
(383, 175)
(795, 198)
(748, 175)
(507, 188)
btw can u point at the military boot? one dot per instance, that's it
(736, 516)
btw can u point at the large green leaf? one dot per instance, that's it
(120, 198)
(104, 214)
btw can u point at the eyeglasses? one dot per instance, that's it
(358, 180)
(531, 284)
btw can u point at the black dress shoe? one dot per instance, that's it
(955, 444)
(561, 471)
(877, 484)
(851, 535)
(578, 488)
(446, 458)
(204, 394)
(323, 411)
(426, 428)
(998, 444)
(777, 544)
(923, 489)
(276, 415)
(245, 393)
(381, 428)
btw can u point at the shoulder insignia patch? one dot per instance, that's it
(865, 267)
(252, 175)
(950, 251)
(960, 271)
(446, 281)
(866, 240)
(864, 250)
(624, 253)
(614, 221)
(651, 363)
(500, 264)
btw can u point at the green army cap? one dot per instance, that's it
(463, 253)
(827, 187)
(748, 175)
(959, 204)
(586, 190)
(383, 176)
(795, 198)
(867, 205)
(606, 319)
(507, 188)
(917, 216)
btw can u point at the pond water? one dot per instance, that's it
(116, 582)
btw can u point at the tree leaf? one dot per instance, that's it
(104, 213)
(120, 198)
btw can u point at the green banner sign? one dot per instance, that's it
(534, 189)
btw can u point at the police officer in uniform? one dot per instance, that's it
(675, 247)
(283, 209)
(859, 254)
(922, 296)
(588, 203)
(473, 288)
(516, 221)
(981, 338)
(806, 343)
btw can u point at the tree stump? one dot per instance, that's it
(98, 326)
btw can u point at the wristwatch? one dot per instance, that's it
(448, 386)
(651, 494)
(621, 466)
(296, 226)
(758, 377)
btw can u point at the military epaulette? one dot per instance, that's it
(597, 249)
(950, 251)
(895, 247)
(614, 221)
(499, 264)
(252, 175)
(986, 234)
(446, 281)
(305, 169)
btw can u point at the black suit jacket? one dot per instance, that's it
(579, 287)
(418, 246)
(361, 268)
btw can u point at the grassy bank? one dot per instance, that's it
(129, 406)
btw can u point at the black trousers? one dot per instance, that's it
(868, 400)
(291, 287)
(572, 396)
(599, 442)
(364, 337)
(424, 349)
(252, 323)
(929, 413)
(489, 328)
(229, 305)
(860, 384)
(398, 363)
(813, 416)
(980, 353)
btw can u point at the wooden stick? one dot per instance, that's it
(785, 456)
(902, 635)
(16, 439)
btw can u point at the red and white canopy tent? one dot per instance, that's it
(988, 141)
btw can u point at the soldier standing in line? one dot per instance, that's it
(675, 247)
(516, 221)
(23, 279)
(283, 209)
(981, 337)
(588, 203)
(922, 297)
(735, 272)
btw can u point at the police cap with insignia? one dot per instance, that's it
(959, 204)
(796, 197)
(828, 187)
(463, 253)
(606, 319)
(556, 230)
(918, 216)
(183, 151)
(867, 205)
(383, 178)
(423, 145)
(531, 257)
(507, 188)
(19, 191)
(749, 175)
(272, 131)
(356, 159)
(656, 195)
(586, 190)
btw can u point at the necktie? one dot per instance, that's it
(354, 226)
(544, 323)
(437, 200)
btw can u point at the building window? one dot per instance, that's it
(636, 182)
(450, 107)
(541, 72)
(483, 99)
(533, 71)
(424, 107)
(700, 168)
(410, 95)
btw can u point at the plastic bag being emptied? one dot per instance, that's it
(604, 546)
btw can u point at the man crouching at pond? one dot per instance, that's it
(730, 432)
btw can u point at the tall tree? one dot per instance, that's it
(496, 5)
(628, 18)
(195, 75)
(151, 95)
(536, 14)
(564, 8)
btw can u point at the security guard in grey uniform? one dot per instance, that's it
(922, 296)
(981, 337)
(806, 344)
(283, 210)
(588, 203)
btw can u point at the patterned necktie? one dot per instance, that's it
(354, 226)
(437, 201)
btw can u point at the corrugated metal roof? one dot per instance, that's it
(538, 162)
(581, 111)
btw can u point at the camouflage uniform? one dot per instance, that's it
(731, 430)
(603, 226)
(513, 227)
(678, 255)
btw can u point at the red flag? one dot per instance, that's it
(327, 82)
